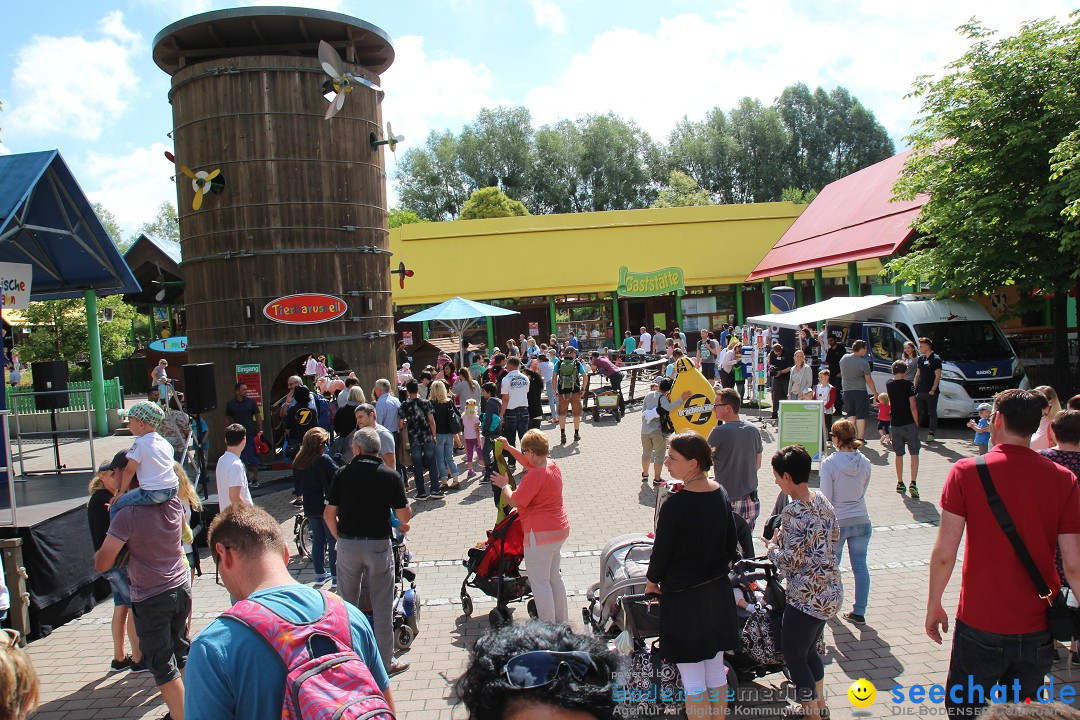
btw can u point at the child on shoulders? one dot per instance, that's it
(151, 457)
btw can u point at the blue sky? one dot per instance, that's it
(77, 74)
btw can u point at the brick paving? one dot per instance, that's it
(604, 499)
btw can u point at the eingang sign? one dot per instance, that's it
(648, 284)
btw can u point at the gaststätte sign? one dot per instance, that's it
(305, 309)
(649, 284)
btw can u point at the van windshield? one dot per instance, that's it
(973, 340)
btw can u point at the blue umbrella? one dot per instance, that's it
(458, 315)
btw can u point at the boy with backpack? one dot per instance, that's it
(249, 662)
(568, 375)
(655, 427)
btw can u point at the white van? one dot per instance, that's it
(977, 360)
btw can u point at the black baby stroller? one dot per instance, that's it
(407, 602)
(494, 569)
(758, 581)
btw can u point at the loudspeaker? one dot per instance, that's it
(51, 375)
(200, 394)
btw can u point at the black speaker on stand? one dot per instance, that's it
(51, 377)
(200, 395)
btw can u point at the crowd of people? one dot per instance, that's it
(351, 461)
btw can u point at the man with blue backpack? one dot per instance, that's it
(285, 649)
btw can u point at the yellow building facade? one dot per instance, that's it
(603, 273)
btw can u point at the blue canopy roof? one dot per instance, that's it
(47, 221)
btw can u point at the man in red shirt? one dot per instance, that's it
(1002, 636)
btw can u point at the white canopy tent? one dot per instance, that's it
(831, 309)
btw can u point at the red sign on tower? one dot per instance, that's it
(305, 309)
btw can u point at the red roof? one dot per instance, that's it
(853, 218)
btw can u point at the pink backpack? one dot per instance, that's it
(335, 686)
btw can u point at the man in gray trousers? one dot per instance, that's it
(358, 508)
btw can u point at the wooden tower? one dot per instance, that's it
(303, 208)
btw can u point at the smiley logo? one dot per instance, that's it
(862, 693)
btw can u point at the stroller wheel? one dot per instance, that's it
(466, 605)
(499, 616)
(531, 607)
(403, 637)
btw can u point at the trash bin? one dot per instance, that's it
(15, 579)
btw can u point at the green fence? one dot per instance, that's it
(23, 397)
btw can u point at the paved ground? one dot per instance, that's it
(604, 498)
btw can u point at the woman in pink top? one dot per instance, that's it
(539, 500)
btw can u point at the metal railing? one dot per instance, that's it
(6, 469)
(23, 398)
(54, 433)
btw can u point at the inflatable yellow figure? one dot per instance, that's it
(697, 412)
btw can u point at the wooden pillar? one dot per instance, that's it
(854, 290)
(740, 314)
(819, 283)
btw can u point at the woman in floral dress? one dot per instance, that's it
(802, 549)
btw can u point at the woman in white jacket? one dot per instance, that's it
(801, 384)
(845, 475)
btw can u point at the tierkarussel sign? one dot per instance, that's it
(647, 284)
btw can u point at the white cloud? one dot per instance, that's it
(74, 85)
(690, 64)
(132, 186)
(425, 93)
(549, 16)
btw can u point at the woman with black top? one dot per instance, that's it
(536, 388)
(313, 470)
(692, 553)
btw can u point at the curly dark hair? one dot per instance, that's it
(487, 695)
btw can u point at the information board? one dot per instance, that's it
(802, 422)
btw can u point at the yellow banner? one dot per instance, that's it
(697, 412)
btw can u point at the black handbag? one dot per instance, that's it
(1059, 616)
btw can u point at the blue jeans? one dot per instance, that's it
(981, 660)
(515, 425)
(321, 539)
(248, 455)
(489, 458)
(553, 399)
(138, 496)
(857, 538)
(444, 455)
(423, 455)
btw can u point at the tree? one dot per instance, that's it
(496, 150)
(398, 217)
(491, 202)
(430, 180)
(557, 185)
(108, 220)
(618, 164)
(681, 191)
(759, 171)
(983, 145)
(58, 331)
(165, 224)
(797, 196)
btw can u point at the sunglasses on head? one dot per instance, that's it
(541, 667)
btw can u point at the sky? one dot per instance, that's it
(77, 75)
